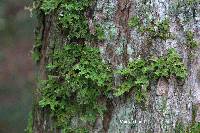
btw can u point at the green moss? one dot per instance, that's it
(191, 43)
(100, 32)
(49, 5)
(195, 128)
(140, 72)
(182, 128)
(134, 22)
(77, 79)
(179, 128)
(155, 30)
(71, 17)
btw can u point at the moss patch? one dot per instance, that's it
(155, 30)
(140, 72)
(76, 81)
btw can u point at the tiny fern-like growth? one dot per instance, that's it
(136, 76)
(134, 22)
(191, 128)
(100, 32)
(140, 72)
(77, 80)
(195, 128)
(155, 30)
(191, 43)
(77, 77)
(71, 16)
(49, 5)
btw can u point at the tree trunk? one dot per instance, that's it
(171, 105)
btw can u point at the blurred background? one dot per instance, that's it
(16, 65)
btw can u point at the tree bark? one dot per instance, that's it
(169, 101)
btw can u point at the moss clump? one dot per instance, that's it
(49, 5)
(76, 81)
(155, 30)
(140, 72)
(182, 128)
(191, 43)
(195, 128)
(100, 32)
(71, 19)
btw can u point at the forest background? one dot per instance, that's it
(16, 65)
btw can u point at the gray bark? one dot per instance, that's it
(168, 102)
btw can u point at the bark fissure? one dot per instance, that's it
(45, 42)
(41, 116)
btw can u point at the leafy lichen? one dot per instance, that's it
(77, 79)
(191, 42)
(140, 72)
(182, 128)
(155, 30)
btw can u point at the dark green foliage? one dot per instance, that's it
(140, 72)
(181, 128)
(155, 30)
(77, 77)
(49, 5)
(195, 128)
(71, 16)
(191, 43)
(163, 30)
(136, 76)
(100, 32)
(77, 80)
(73, 20)
(134, 22)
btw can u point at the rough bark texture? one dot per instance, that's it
(169, 102)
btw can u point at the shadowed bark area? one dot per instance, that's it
(169, 101)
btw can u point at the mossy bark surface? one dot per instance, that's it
(169, 101)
